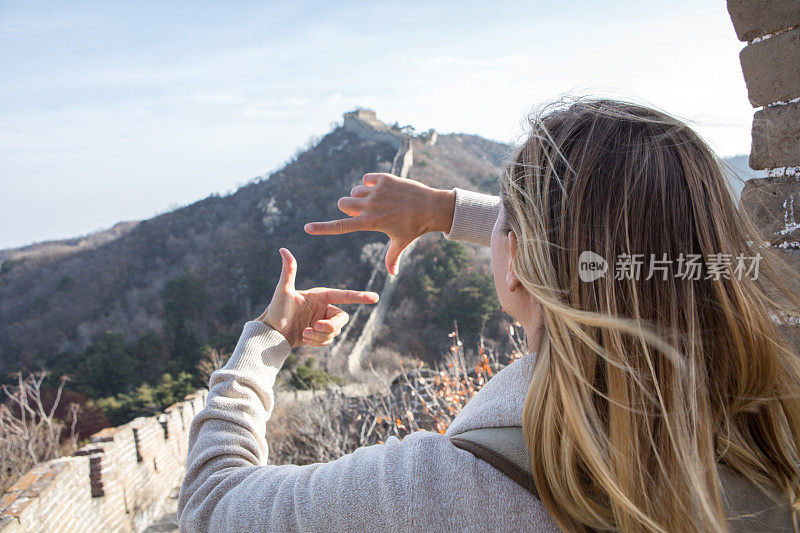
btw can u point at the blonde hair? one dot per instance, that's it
(641, 386)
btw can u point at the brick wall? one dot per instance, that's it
(363, 123)
(771, 67)
(118, 482)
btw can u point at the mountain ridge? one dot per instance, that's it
(57, 297)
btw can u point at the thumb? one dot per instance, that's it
(288, 270)
(393, 255)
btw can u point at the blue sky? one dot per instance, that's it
(115, 111)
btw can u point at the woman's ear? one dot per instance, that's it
(512, 281)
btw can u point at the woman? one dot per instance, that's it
(642, 380)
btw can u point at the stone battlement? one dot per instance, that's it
(366, 125)
(772, 75)
(118, 481)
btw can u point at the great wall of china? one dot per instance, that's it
(125, 478)
(364, 123)
(120, 481)
(771, 31)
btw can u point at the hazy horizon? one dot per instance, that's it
(120, 112)
(737, 190)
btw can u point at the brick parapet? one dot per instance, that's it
(117, 482)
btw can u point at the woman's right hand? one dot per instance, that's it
(402, 208)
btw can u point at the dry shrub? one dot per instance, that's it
(29, 430)
(330, 424)
(311, 431)
(213, 359)
(384, 362)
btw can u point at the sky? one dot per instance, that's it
(114, 111)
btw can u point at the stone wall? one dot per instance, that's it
(126, 478)
(771, 68)
(366, 125)
(118, 482)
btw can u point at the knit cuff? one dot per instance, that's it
(474, 217)
(260, 346)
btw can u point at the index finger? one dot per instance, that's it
(336, 227)
(347, 296)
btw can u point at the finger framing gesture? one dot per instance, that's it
(309, 317)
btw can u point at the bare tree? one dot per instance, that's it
(214, 360)
(30, 432)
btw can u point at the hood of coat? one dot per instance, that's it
(499, 403)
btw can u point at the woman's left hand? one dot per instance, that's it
(309, 317)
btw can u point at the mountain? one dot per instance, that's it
(195, 273)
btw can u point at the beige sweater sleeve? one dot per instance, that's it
(230, 487)
(474, 217)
